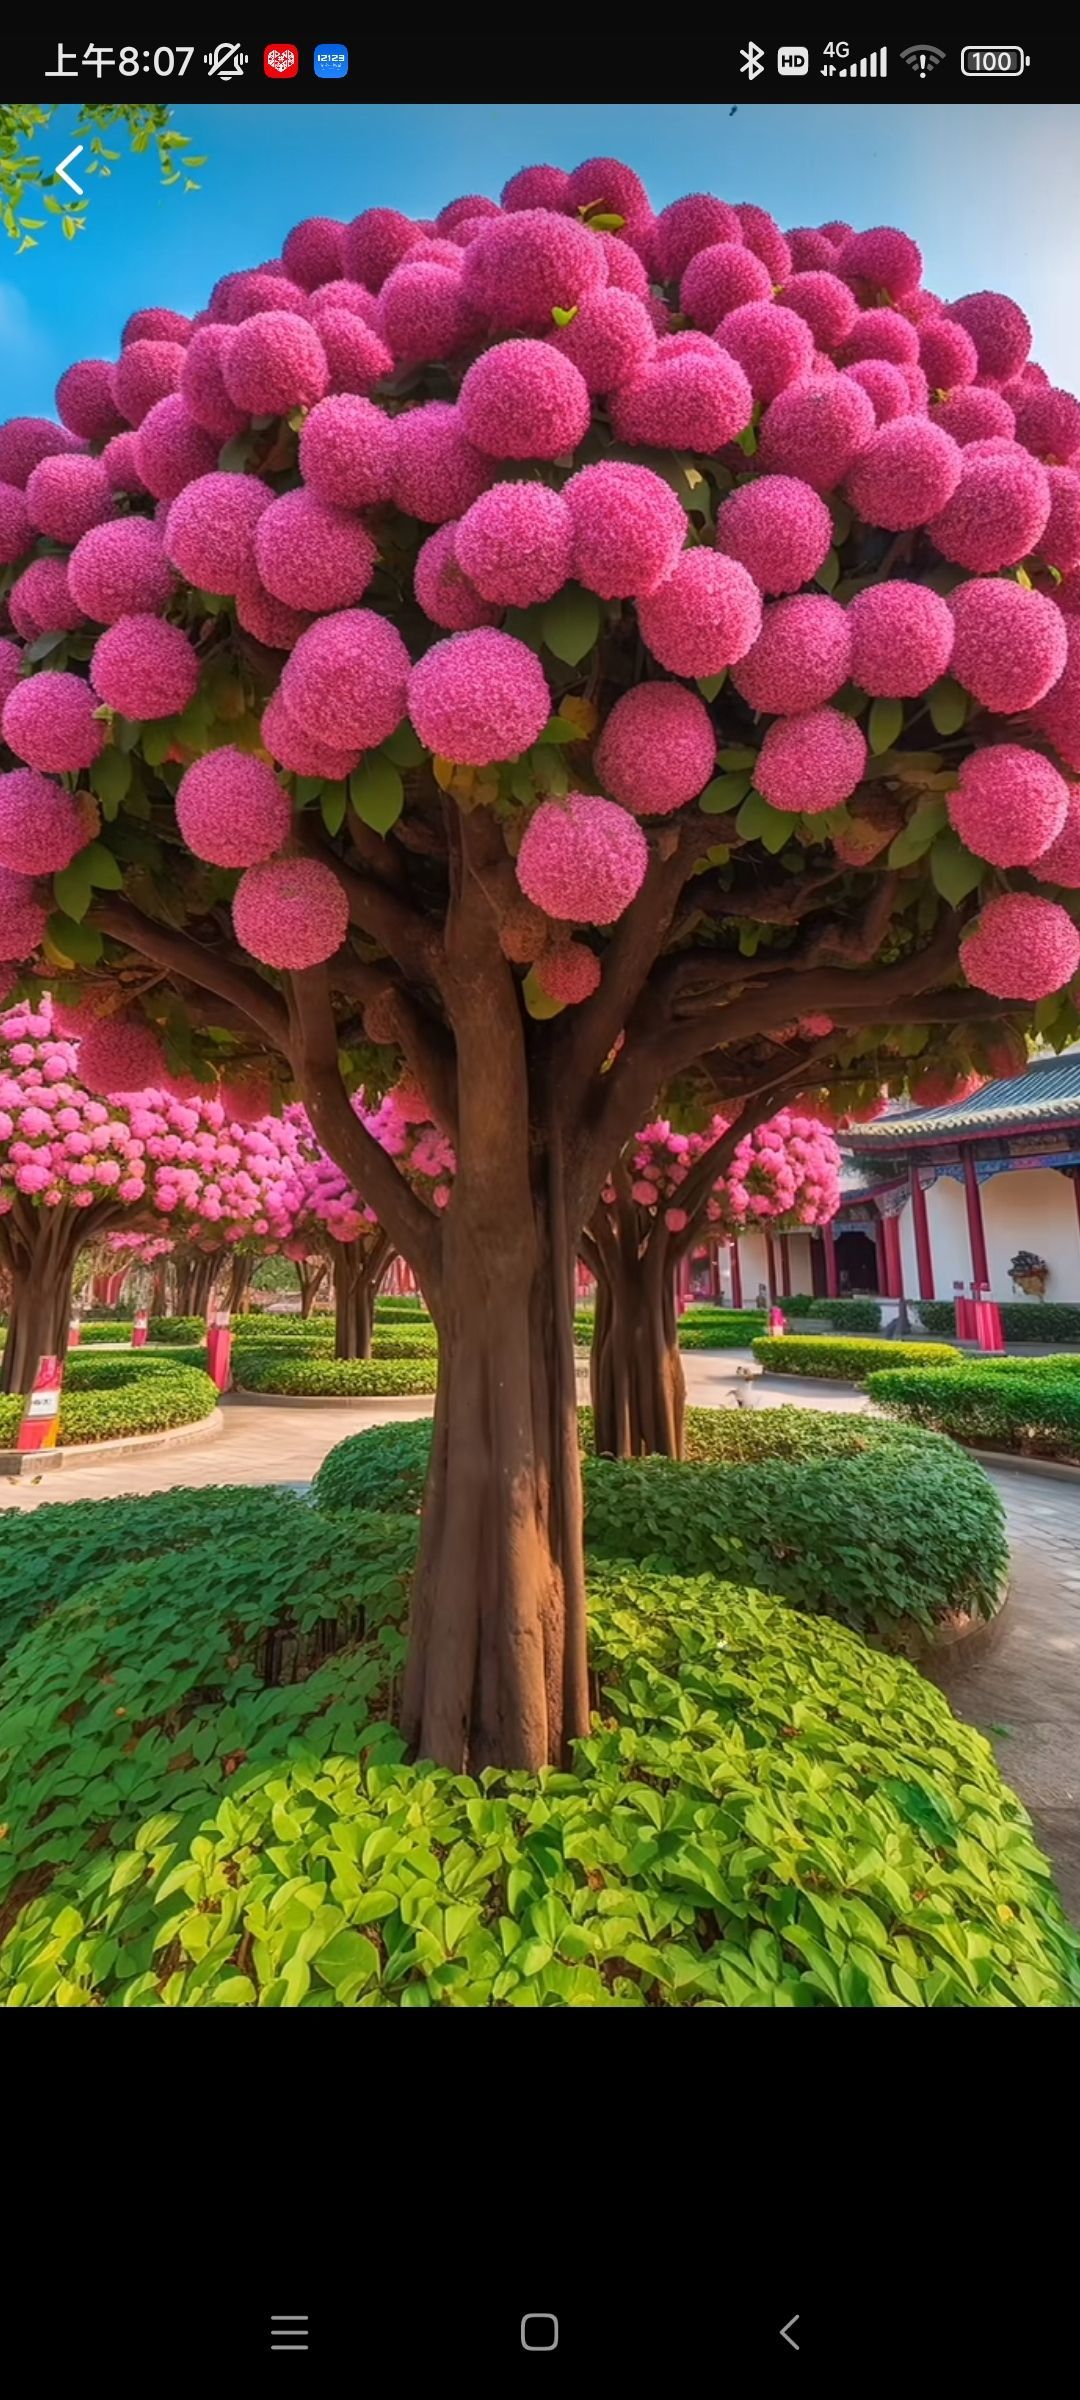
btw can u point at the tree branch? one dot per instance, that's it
(239, 986)
(411, 1225)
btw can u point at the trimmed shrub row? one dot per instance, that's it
(110, 1399)
(767, 1814)
(1000, 1405)
(1021, 1320)
(270, 1370)
(845, 1516)
(838, 1359)
(849, 1316)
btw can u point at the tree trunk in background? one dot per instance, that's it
(311, 1275)
(196, 1272)
(39, 1248)
(239, 1284)
(636, 1372)
(358, 1270)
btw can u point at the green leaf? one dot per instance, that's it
(125, 733)
(723, 793)
(828, 574)
(747, 440)
(954, 872)
(236, 454)
(571, 623)
(757, 822)
(157, 741)
(526, 624)
(332, 803)
(730, 761)
(377, 792)
(81, 943)
(110, 777)
(560, 729)
(347, 1958)
(404, 747)
(914, 839)
(103, 870)
(884, 726)
(948, 706)
(710, 685)
(563, 316)
(42, 646)
(73, 888)
(539, 1003)
(237, 1991)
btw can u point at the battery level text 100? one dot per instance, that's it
(993, 58)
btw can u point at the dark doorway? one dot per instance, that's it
(856, 1263)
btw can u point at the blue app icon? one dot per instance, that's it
(331, 60)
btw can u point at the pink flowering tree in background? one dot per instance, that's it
(76, 1166)
(668, 1189)
(332, 1213)
(487, 638)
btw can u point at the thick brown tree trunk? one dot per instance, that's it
(239, 1285)
(636, 1372)
(39, 1248)
(311, 1275)
(496, 1671)
(196, 1273)
(358, 1269)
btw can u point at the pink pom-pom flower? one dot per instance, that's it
(66, 496)
(22, 916)
(375, 243)
(801, 656)
(883, 258)
(437, 470)
(686, 399)
(347, 680)
(312, 556)
(610, 341)
(232, 810)
(524, 400)
(275, 362)
(42, 601)
(582, 859)
(778, 529)
(85, 401)
(1060, 863)
(202, 383)
(515, 543)
(974, 414)
(41, 826)
(171, 449)
(901, 639)
(568, 971)
(120, 569)
(121, 1054)
(629, 528)
(145, 372)
(290, 913)
(210, 530)
(300, 752)
(522, 266)
(657, 749)
(907, 472)
(811, 763)
(443, 589)
(997, 511)
(704, 617)
(348, 450)
(145, 668)
(1009, 804)
(774, 346)
(999, 330)
(816, 429)
(1021, 948)
(49, 721)
(314, 251)
(1010, 644)
(478, 697)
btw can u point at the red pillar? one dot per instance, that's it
(736, 1276)
(785, 1267)
(770, 1267)
(831, 1278)
(882, 1257)
(976, 1232)
(894, 1269)
(921, 1224)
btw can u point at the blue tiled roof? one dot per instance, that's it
(1049, 1092)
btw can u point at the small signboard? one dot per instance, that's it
(41, 1415)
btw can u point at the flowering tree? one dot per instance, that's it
(75, 1167)
(331, 1211)
(488, 638)
(665, 1190)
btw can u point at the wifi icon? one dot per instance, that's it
(922, 58)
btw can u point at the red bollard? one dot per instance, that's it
(777, 1321)
(41, 1416)
(219, 1353)
(988, 1327)
(74, 1333)
(140, 1329)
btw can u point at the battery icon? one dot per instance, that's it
(993, 58)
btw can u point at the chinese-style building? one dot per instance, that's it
(940, 1196)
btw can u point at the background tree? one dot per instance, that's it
(668, 1188)
(27, 186)
(356, 1246)
(600, 657)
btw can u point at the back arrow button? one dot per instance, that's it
(786, 2334)
(65, 164)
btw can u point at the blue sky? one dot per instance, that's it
(992, 194)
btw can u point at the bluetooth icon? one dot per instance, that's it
(752, 58)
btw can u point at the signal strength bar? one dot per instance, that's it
(875, 63)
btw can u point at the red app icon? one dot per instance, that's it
(281, 59)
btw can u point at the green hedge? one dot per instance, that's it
(1000, 1406)
(844, 1360)
(161, 1329)
(727, 1332)
(256, 1370)
(845, 1516)
(1021, 1320)
(109, 1399)
(849, 1316)
(798, 1304)
(767, 1812)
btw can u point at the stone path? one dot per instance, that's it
(1022, 1688)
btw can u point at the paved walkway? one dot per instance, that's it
(1022, 1688)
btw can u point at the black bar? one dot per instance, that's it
(383, 70)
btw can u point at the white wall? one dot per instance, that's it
(950, 1247)
(799, 1249)
(754, 1264)
(1033, 1209)
(908, 1261)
